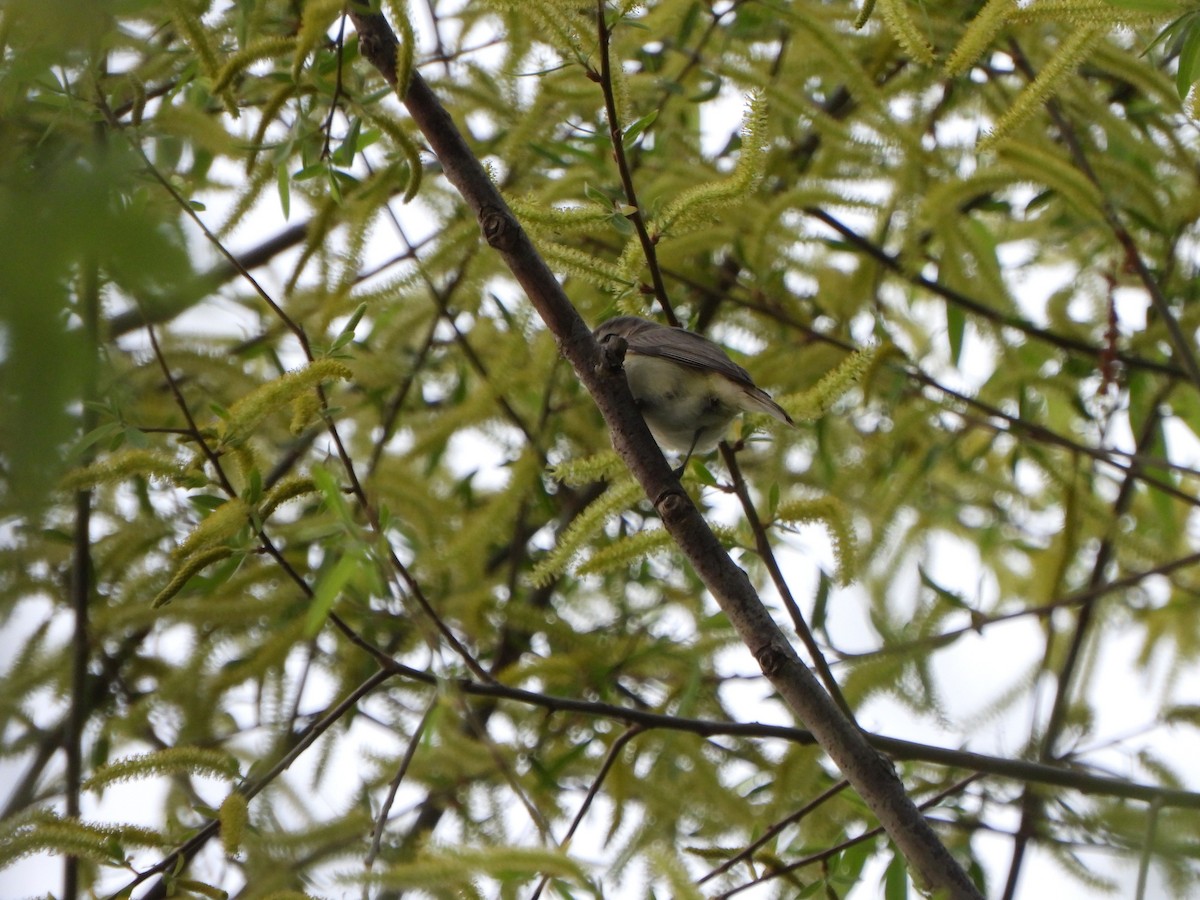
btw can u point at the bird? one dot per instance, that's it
(686, 387)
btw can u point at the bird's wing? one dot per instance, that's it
(645, 338)
(685, 348)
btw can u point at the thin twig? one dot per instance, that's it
(875, 781)
(980, 621)
(387, 422)
(1015, 424)
(1087, 608)
(184, 853)
(403, 576)
(604, 78)
(830, 852)
(767, 554)
(1073, 777)
(81, 580)
(749, 850)
(1147, 853)
(214, 461)
(477, 728)
(614, 753)
(1064, 690)
(385, 808)
(340, 46)
(978, 307)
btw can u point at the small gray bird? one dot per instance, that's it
(687, 388)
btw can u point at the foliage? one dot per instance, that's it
(256, 361)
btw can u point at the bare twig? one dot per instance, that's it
(1018, 770)
(830, 852)
(402, 575)
(980, 621)
(981, 309)
(1065, 688)
(614, 753)
(175, 860)
(747, 852)
(340, 49)
(767, 554)
(1147, 850)
(81, 582)
(385, 808)
(604, 77)
(387, 423)
(1012, 424)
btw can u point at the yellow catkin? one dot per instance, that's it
(192, 566)
(233, 816)
(979, 34)
(222, 523)
(255, 406)
(1071, 52)
(906, 32)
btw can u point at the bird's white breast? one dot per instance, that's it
(677, 401)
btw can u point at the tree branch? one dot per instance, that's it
(981, 309)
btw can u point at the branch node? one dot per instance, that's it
(671, 502)
(771, 659)
(499, 228)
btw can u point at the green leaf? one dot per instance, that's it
(621, 225)
(135, 437)
(702, 472)
(97, 435)
(821, 602)
(309, 172)
(956, 326)
(284, 186)
(1189, 60)
(205, 502)
(847, 866)
(633, 131)
(346, 335)
(895, 879)
(254, 491)
(597, 196)
(328, 589)
(344, 154)
(332, 493)
(947, 595)
(1171, 32)
(711, 89)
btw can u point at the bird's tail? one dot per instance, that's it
(758, 400)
